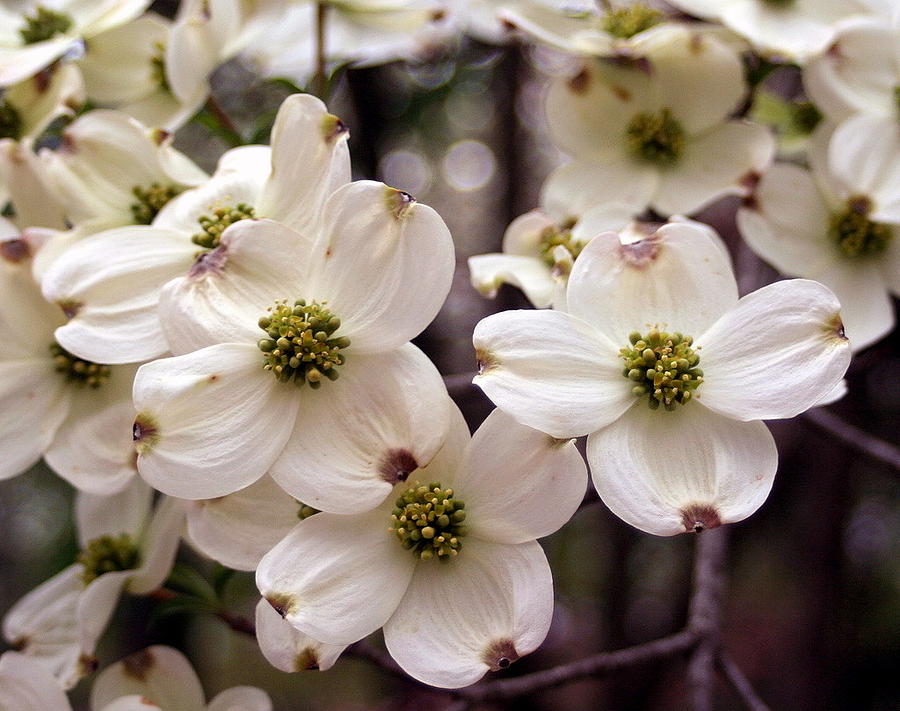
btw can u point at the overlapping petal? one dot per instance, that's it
(287, 648)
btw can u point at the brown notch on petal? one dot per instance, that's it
(834, 328)
(555, 443)
(42, 80)
(640, 254)
(212, 261)
(19, 643)
(500, 654)
(486, 361)
(699, 517)
(144, 433)
(159, 135)
(138, 664)
(620, 92)
(749, 181)
(15, 250)
(697, 43)
(399, 203)
(69, 307)
(396, 465)
(87, 664)
(307, 660)
(580, 82)
(282, 603)
(333, 127)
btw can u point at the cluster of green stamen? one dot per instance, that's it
(429, 521)
(76, 370)
(663, 367)
(10, 120)
(656, 137)
(108, 554)
(300, 346)
(221, 219)
(553, 237)
(625, 22)
(43, 25)
(856, 235)
(150, 201)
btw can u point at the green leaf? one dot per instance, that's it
(221, 577)
(186, 579)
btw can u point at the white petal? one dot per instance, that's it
(241, 698)
(124, 512)
(384, 264)
(509, 478)
(678, 279)
(287, 648)
(337, 578)
(487, 607)
(662, 472)
(775, 354)
(33, 403)
(34, 201)
(550, 371)
(713, 165)
(111, 281)
(229, 288)
(190, 57)
(239, 529)
(609, 217)
(96, 606)
(22, 62)
(530, 274)
(24, 313)
(310, 160)
(213, 421)
(573, 188)
(131, 703)
(358, 436)
(523, 236)
(159, 544)
(160, 674)
(45, 97)
(25, 685)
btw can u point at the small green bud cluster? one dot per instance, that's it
(664, 366)
(300, 346)
(306, 511)
(150, 201)
(553, 237)
(78, 371)
(10, 120)
(221, 219)
(43, 25)
(625, 22)
(429, 521)
(856, 235)
(108, 554)
(656, 137)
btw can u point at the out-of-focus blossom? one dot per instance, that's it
(653, 326)
(26, 685)
(27, 108)
(450, 568)
(287, 648)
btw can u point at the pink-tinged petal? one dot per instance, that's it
(488, 272)
(287, 648)
(159, 545)
(25, 685)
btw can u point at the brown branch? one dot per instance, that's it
(320, 78)
(384, 661)
(224, 119)
(741, 684)
(860, 439)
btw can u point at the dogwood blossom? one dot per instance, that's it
(652, 327)
(656, 132)
(450, 568)
(125, 546)
(25, 685)
(838, 223)
(113, 309)
(27, 108)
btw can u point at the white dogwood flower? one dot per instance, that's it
(287, 648)
(838, 223)
(331, 312)
(668, 373)
(35, 33)
(791, 29)
(75, 413)
(114, 315)
(126, 546)
(27, 108)
(161, 678)
(26, 685)
(656, 132)
(450, 567)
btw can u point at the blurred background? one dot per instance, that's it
(812, 613)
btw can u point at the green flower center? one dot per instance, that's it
(805, 116)
(625, 22)
(10, 120)
(43, 25)
(553, 237)
(663, 366)
(429, 521)
(656, 137)
(856, 235)
(150, 201)
(78, 371)
(300, 346)
(212, 226)
(108, 554)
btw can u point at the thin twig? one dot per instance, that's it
(320, 79)
(219, 113)
(855, 437)
(384, 661)
(741, 684)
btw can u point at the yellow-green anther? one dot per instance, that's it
(625, 22)
(856, 235)
(150, 201)
(78, 371)
(44, 24)
(553, 237)
(664, 365)
(656, 137)
(301, 346)
(212, 226)
(108, 554)
(10, 120)
(428, 520)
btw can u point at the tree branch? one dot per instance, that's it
(741, 684)
(860, 439)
